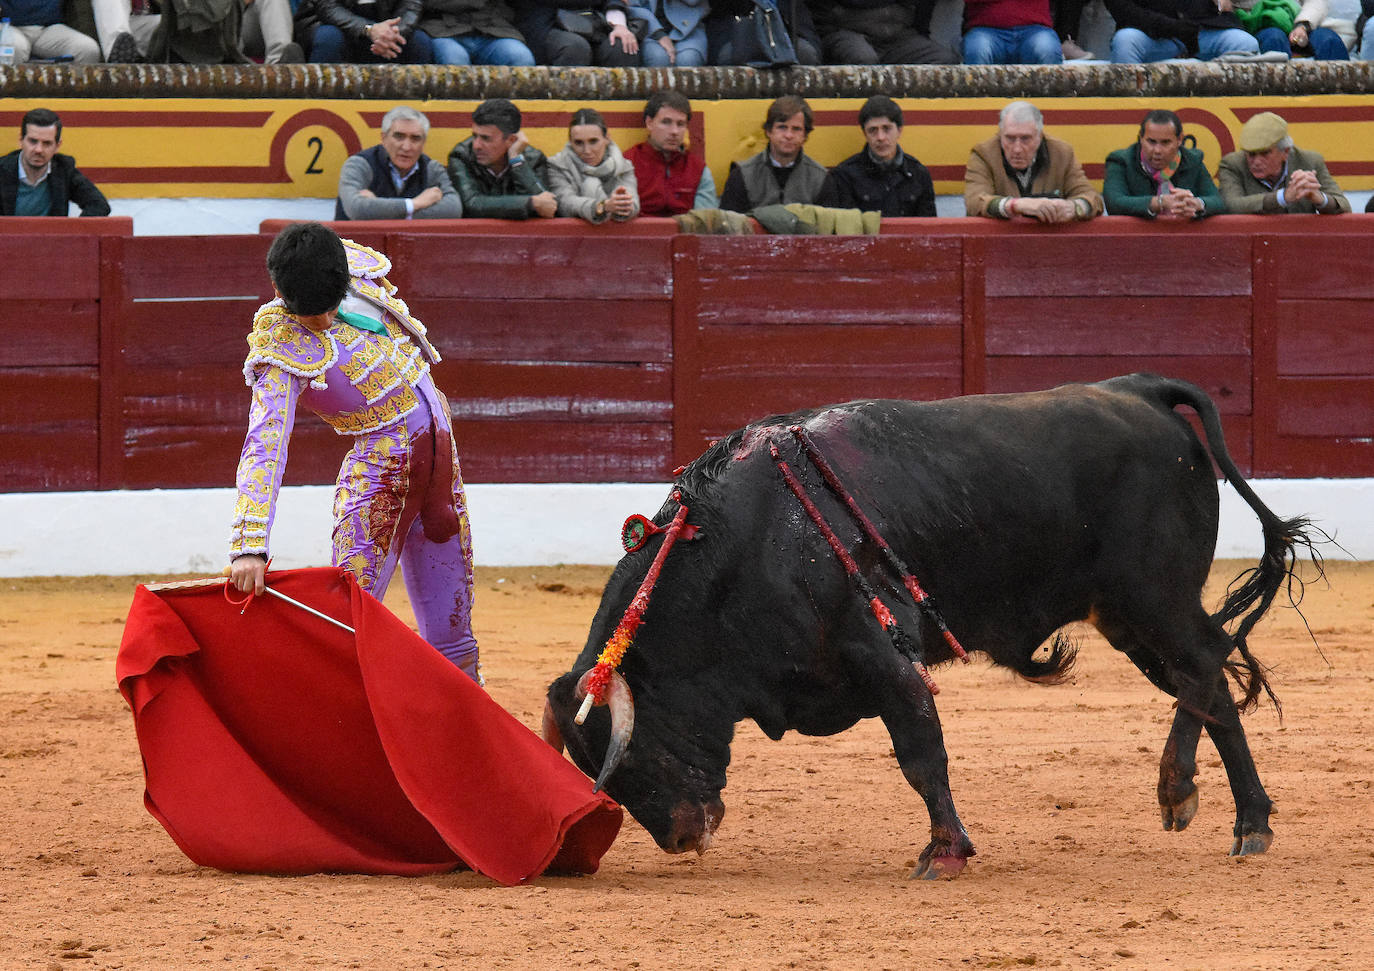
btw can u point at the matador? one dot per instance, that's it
(340, 342)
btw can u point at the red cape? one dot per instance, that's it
(275, 742)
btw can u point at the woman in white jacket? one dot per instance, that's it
(589, 177)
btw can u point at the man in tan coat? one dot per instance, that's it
(1021, 171)
(1270, 175)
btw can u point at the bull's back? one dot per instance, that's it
(1024, 507)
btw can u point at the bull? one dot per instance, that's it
(1020, 513)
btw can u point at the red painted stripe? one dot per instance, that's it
(140, 118)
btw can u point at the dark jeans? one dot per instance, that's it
(328, 45)
(1323, 43)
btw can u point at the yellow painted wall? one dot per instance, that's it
(225, 148)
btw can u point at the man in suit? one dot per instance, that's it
(35, 180)
(1269, 174)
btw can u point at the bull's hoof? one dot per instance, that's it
(1251, 844)
(936, 867)
(1178, 815)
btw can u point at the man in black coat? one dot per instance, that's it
(881, 178)
(36, 181)
(363, 32)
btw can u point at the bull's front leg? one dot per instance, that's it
(909, 713)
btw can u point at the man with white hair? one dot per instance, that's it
(1021, 171)
(1268, 174)
(396, 179)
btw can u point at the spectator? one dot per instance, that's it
(466, 32)
(124, 29)
(782, 172)
(1021, 171)
(880, 178)
(1068, 20)
(671, 179)
(1157, 30)
(1010, 32)
(396, 179)
(363, 32)
(498, 173)
(1312, 34)
(37, 181)
(267, 31)
(590, 177)
(863, 32)
(1159, 176)
(1269, 174)
(39, 31)
(578, 33)
(199, 32)
(727, 14)
(676, 32)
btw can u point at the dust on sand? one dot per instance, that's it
(1055, 784)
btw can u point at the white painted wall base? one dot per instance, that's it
(186, 530)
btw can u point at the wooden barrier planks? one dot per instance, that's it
(765, 325)
(49, 359)
(1313, 345)
(613, 357)
(557, 351)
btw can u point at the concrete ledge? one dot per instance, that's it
(186, 530)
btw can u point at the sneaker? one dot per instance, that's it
(292, 53)
(124, 50)
(1264, 57)
(1072, 52)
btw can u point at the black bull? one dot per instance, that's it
(1018, 513)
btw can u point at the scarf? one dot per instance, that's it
(1163, 176)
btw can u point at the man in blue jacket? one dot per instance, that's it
(37, 181)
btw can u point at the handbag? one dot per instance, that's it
(584, 23)
(761, 38)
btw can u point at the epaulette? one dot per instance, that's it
(279, 339)
(363, 261)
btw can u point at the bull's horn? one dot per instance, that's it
(622, 704)
(549, 728)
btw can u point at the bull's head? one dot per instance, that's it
(669, 777)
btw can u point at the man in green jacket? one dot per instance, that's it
(1159, 177)
(496, 171)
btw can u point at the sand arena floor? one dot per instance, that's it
(1056, 786)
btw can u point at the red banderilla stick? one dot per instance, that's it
(908, 579)
(880, 611)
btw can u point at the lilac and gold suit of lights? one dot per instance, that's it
(399, 496)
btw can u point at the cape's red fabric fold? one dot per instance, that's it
(275, 742)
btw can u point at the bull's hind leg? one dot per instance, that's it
(1185, 660)
(908, 711)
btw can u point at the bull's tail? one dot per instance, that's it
(1251, 593)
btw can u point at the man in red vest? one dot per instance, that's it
(671, 181)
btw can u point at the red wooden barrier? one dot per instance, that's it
(50, 354)
(584, 354)
(773, 324)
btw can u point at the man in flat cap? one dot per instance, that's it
(1269, 174)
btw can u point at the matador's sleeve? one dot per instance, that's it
(263, 462)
